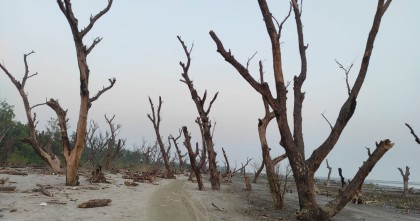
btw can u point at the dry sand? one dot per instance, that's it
(173, 199)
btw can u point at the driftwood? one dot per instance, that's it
(13, 172)
(95, 203)
(43, 190)
(141, 177)
(7, 188)
(128, 183)
(218, 208)
(55, 201)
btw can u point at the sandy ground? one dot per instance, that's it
(173, 199)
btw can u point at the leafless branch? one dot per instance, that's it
(416, 138)
(95, 42)
(368, 150)
(111, 81)
(327, 121)
(346, 71)
(93, 19)
(280, 26)
(249, 60)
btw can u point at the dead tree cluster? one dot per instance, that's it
(292, 136)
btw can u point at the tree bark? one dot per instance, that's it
(292, 141)
(204, 119)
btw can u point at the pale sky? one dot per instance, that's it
(140, 49)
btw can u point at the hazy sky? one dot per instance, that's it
(140, 49)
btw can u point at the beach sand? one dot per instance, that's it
(166, 199)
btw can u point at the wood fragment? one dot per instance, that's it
(55, 201)
(43, 190)
(7, 188)
(95, 203)
(132, 183)
(218, 208)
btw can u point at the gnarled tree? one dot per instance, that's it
(43, 151)
(72, 153)
(204, 122)
(292, 137)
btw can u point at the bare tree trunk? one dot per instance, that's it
(292, 140)
(156, 119)
(329, 174)
(72, 154)
(203, 114)
(194, 166)
(227, 172)
(257, 174)
(178, 151)
(405, 178)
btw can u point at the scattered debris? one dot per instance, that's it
(43, 204)
(4, 181)
(95, 203)
(43, 190)
(55, 201)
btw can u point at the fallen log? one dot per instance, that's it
(218, 208)
(7, 188)
(95, 203)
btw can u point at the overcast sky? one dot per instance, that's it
(140, 49)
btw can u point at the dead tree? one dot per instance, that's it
(155, 118)
(329, 174)
(72, 153)
(343, 181)
(194, 165)
(416, 138)
(113, 146)
(46, 154)
(405, 178)
(205, 123)
(227, 172)
(292, 136)
(258, 172)
(178, 151)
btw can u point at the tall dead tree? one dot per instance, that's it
(405, 178)
(292, 136)
(205, 123)
(155, 118)
(45, 153)
(227, 172)
(416, 138)
(195, 167)
(72, 153)
(113, 146)
(178, 151)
